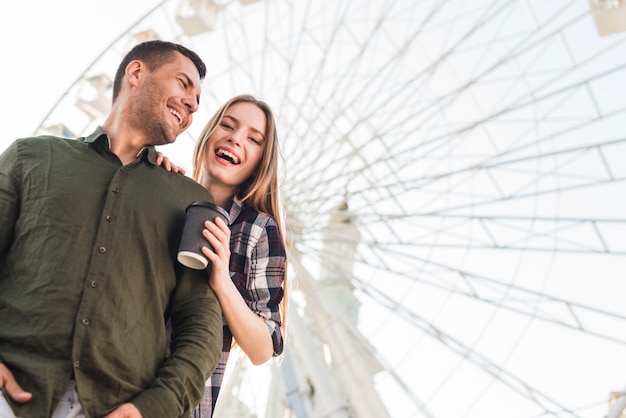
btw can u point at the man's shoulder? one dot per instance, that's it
(44, 144)
(181, 179)
(187, 185)
(47, 139)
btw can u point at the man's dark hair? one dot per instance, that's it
(155, 54)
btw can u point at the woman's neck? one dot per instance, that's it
(221, 193)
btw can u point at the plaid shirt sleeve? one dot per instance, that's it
(258, 266)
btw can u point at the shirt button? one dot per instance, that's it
(103, 250)
(85, 321)
(93, 283)
(108, 218)
(116, 190)
(76, 363)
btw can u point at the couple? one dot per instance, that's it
(89, 230)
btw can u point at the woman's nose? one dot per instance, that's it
(237, 136)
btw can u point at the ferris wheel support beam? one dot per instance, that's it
(349, 362)
(311, 391)
(619, 406)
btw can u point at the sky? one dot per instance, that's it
(46, 45)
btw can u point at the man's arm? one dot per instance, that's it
(9, 196)
(196, 348)
(8, 216)
(126, 410)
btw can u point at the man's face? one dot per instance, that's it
(166, 99)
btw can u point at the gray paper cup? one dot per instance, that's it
(192, 241)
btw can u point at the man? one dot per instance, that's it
(89, 230)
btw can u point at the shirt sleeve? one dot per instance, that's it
(9, 197)
(196, 348)
(265, 281)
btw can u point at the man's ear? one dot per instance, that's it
(133, 71)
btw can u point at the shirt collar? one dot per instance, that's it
(100, 138)
(236, 205)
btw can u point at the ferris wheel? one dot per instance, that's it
(454, 182)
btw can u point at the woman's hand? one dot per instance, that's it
(218, 235)
(165, 162)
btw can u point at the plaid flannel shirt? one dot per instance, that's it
(257, 267)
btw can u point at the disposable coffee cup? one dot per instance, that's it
(190, 248)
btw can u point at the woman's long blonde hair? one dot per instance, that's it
(261, 190)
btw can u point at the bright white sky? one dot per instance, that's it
(46, 45)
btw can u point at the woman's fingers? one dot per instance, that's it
(165, 162)
(219, 238)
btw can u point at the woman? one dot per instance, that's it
(236, 159)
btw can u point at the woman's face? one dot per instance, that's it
(235, 147)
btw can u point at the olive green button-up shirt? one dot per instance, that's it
(88, 278)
